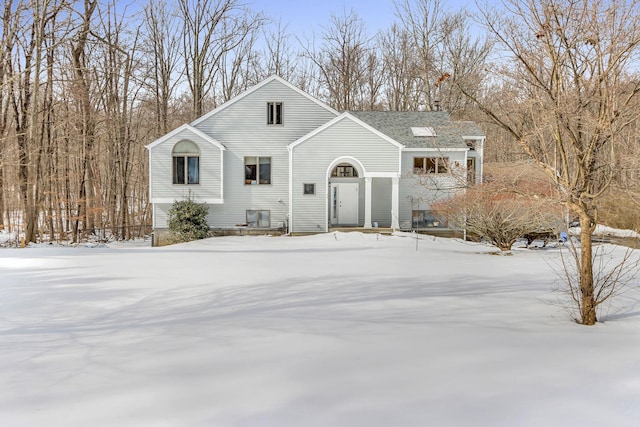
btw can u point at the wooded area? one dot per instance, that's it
(85, 85)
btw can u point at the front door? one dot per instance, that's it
(344, 203)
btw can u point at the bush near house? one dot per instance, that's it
(188, 220)
(510, 204)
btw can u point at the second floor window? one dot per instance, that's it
(274, 113)
(186, 163)
(423, 165)
(257, 170)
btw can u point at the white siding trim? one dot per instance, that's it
(222, 177)
(257, 87)
(346, 159)
(338, 119)
(170, 200)
(151, 190)
(290, 219)
(189, 128)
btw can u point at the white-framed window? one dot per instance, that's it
(427, 219)
(471, 170)
(344, 170)
(424, 165)
(258, 218)
(257, 170)
(309, 189)
(275, 112)
(186, 163)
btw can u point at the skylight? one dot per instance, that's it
(423, 131)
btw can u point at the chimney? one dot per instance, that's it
(436, 105)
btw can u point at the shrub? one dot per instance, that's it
(507, 206)
(188, 220)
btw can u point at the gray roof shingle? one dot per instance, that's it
(397, 125)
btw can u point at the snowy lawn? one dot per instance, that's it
(327, 330)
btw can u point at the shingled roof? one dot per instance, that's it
(398, 124)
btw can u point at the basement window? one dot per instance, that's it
(258, 218)
(427, 219)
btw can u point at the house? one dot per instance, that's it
(275, 158)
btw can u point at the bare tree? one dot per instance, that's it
(212, 28)
(443, 51)
(572, 67)
(87, 121)
(278, 55)
(512, 203)
(402, 70)
(31, 95)
(162, 41)
(240, 66)
(341, 60)
(7, 41)
(116, 69)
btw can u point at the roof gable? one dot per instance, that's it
(258, 87)
(186, 128)
(341, 117)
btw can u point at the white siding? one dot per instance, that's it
(419, 192)
(381, 201)
(161, 182)
(161, 215)
(313, 157)
(242, 128)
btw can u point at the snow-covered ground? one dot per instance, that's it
(326, 330)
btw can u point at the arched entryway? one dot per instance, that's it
(345, 183)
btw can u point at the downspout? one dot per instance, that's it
(290, 221)
(153, 208)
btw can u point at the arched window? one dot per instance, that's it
(186, 163)
(344, 170)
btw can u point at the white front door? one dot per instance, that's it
(344, 203)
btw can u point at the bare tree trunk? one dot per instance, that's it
(587, 288)
(571, 99)
(87, 124)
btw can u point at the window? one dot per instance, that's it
(423, 165)
(258, 219)
(186, 163)
(257, 170)
(471, 170)
(309, 189)
(274, 113)
(427, 219)
(344, 170)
